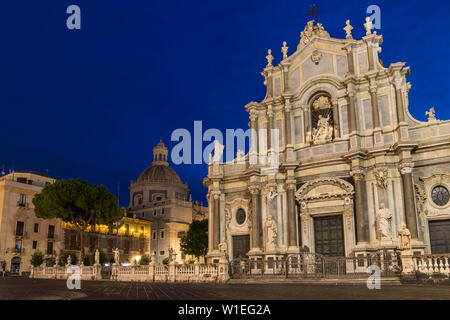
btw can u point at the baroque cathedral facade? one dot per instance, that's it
(353, 167)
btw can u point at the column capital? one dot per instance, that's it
(254, 190)
(406, 167)
(351, 93)
(291, 184)
(357, 174)
(216, 194)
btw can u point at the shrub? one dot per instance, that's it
(166, 260)
(145, 260)
(50, 262)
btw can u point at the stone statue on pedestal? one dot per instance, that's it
(116, 255)
(69, 260)
(97, 257)
(404, 238)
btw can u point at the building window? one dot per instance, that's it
(73, 242)
(18, 245)
(36, 227)
(240, 216)
(22, 180)
(154, 235)
(50, 247)
(34, 245)
(154, 213)
(19, 228)
(440, 195)
(127, 246)
(141, 231)
(162, 235)
(161, 253)
(51, 232)
(22, 200)
(162, 211)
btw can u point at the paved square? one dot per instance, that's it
(23, 288)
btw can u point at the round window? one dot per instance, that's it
(240, 216)
(440, 195)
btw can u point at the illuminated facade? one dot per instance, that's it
(161, 197)
(132, 238)
(21, 232)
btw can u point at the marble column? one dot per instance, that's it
(350, 62)
(336, 118)
(409, 201)
(361, 223)
(351, 111)
(375, 112)
(399, 100)
(216, 221)
(292, 230)
(254, 137)
(269, 128)
(288, 124)
(256, 218)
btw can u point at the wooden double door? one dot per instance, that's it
(241, 246)
(329, 236)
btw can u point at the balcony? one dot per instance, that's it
(23, 205)
(21, 234)
(15, 250)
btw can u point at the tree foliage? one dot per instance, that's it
(37, 258)
(195, 242)
(79, 203)
(50, 262)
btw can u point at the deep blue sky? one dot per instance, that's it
(92, 103)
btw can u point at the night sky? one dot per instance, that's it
(92, 103)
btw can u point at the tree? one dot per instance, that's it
(145, 260)
(195, 242)
(79, 203)
(37, 258)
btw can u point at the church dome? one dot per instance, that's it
(159, 171)
(159, 174)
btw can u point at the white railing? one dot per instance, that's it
(433, 264)
(58, 272)
(172, 273)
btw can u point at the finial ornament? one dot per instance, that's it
(284, 50)
(431, 114)
(269, 58)
(368, 26)
(348, 30)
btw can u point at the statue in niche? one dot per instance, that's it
(271, 230)
(324, 132)
(384, 217)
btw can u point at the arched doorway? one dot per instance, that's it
(16, 263)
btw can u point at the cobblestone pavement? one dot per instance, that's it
(23, 288)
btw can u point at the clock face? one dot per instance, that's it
(440, 195)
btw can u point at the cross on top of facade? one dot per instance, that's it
(313, 11)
